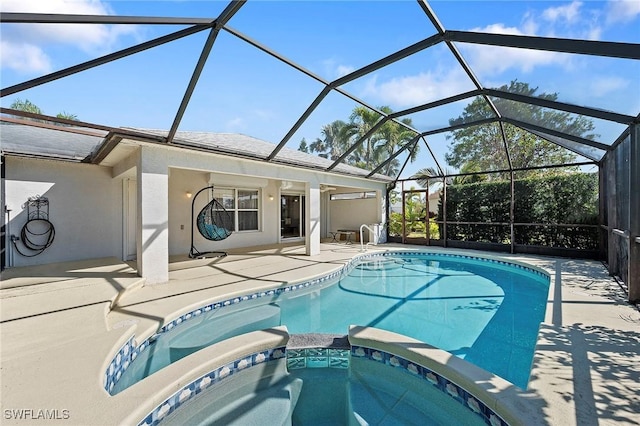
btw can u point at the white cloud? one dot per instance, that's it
(89, 7)
(24, 57)
(235, 124)
(603, 86)
(622, 10)
(33, 38)
(570, 21)
(569, 13)
(575, 20)
(407, 91)
(530, 24)
(343, 70)
(334, 70)
(594, 33)
(487, 60)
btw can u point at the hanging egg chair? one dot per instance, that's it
(213, 222)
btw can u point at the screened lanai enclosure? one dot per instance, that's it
(496, 129)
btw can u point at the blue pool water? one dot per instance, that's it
(488, 313)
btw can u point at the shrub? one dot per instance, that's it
(558, 199)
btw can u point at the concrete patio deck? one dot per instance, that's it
(59, 324)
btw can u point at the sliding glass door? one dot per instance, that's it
(292, 216)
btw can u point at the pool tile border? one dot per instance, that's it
(119, 364)
(175, 401)
(458, 393)
(123, 358)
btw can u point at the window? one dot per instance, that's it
(353, 196)
(243, 204)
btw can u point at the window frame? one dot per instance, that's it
(236, 207)
(349, 196)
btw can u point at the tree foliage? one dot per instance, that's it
(67, 116)
(303, 146)
(28, 106)
(482, 147)
(570, 198)
(416, 214)
(338, 136)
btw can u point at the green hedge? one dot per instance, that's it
(558, 199)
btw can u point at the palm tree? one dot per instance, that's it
(393, 136)
(338, 136)
(334, 141)
(470, 166)
(429, 176)
(361, 121)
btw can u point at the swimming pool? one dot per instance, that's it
(483, 310)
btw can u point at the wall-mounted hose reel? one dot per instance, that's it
(38, 232)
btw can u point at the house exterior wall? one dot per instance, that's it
(87, 202)
(85, 207)
(351, 214)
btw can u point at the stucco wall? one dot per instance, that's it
(350, 214)
(85, 207)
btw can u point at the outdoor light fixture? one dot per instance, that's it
(270, 197)
(189, 194)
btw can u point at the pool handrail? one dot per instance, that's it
(363, 246)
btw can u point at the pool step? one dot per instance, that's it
(381, 264)
(216, 328)
(246, 399)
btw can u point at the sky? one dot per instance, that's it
(244, 90)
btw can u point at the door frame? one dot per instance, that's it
(302, 227)
(129, 219)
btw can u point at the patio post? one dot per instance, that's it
(512, 204)
(152, 216)
(312, 222)
(634, 215)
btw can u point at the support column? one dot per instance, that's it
(152, 216)
(444, 211)
(611, 166)
(512, 206)
(312, 220)
(383, 215)
(634, 215)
